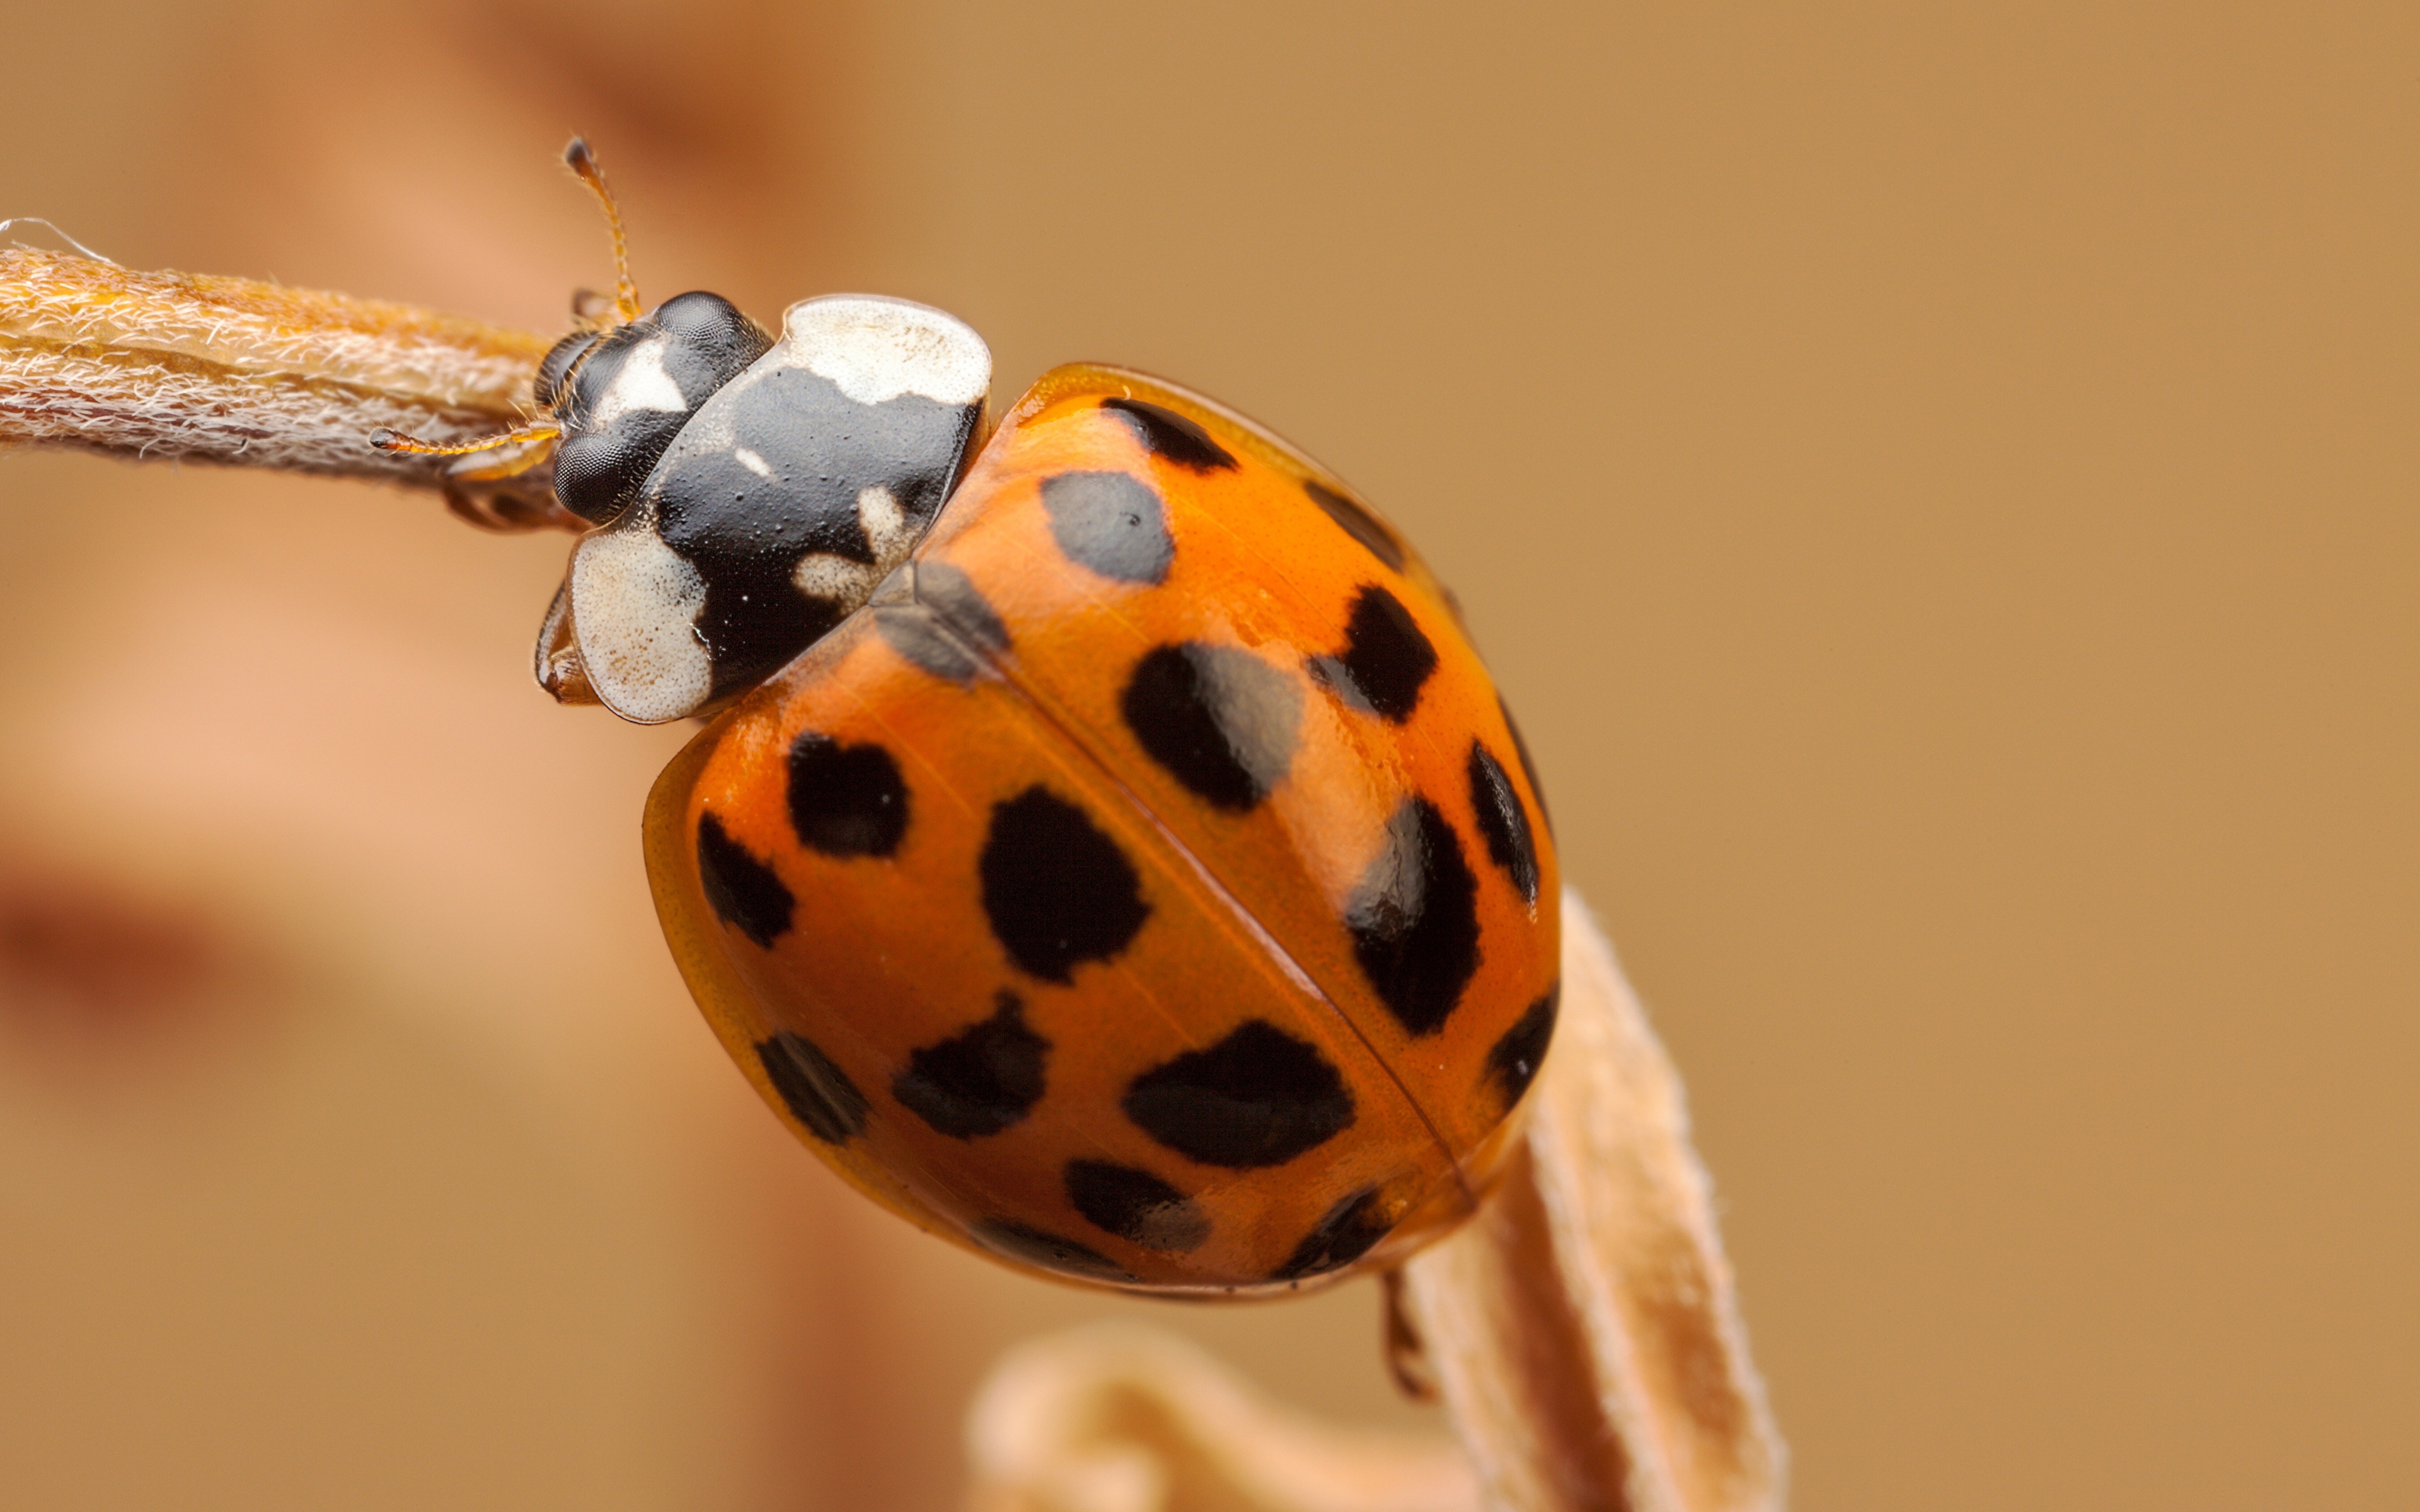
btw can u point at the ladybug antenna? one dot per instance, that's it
(394, 442)
(582, 160)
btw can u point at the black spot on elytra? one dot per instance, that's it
(743, 891)
(932, 613)
(981, 1081)
(1357, 522)
(1512, 1063)
(1111, 522)
(1343, 1235)
(1040, 1248)
(1135, 1205)
(846, 800)
(1057, 890)
(952, 595)
(1259, 1097)
(1221, 720)
(1528, 767)
(919, 636)
(1415, 918)
(1386, 658)
(819, 1093)
(1504, 822)
(1171, 436)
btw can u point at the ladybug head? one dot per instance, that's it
(621, 395)
(750, 493)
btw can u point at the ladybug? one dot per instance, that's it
(1106, 850)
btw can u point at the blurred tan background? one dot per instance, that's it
(1941, 491)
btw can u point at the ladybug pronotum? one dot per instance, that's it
(1106, 850)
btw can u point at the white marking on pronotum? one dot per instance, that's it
(634, 605)
(641, 383)
(753, 463)
(839, 580)
(876, 350)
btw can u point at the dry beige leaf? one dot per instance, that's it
(1123, 1418)
(1583, 1328)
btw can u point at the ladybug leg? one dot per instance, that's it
(1407, 1353)
(557, 663)
(481, 488)
(508, 491)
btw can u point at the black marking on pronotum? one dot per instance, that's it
(1343, 1235)
(1170, 436)
(1051, 1252)
(1513, 1061)
(1385, 659)
(1057, 890)
(1357, 522)
(1110, 522)
(1136, 1206)
(743, 891)
(932, 613)
(1221, 720)
(810, 455)
(846, 800)
(611, 394)
(1529, 768)
(1503, 821)
(1415, 918)
(978, 1082)
(818, 1092)
(1259, 1097)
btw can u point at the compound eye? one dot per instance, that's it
(559, 363)
(597, 474)
(715, 341)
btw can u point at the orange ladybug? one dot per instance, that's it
(1107, 850)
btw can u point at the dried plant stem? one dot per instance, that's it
(201, 368)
